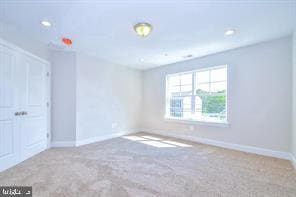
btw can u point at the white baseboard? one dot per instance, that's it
(243, 148)
(101, 138)
(293, 160)
(88, 140)
(62, 143)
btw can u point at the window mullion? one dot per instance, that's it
(168, 97)
(193, 94)
(210, 82)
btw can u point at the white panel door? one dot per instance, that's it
(23, 106)
(9, 150)
(33, 102)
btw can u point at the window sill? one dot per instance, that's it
(196, 122)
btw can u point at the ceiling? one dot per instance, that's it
(105, 28)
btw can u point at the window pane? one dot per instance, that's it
(187, 103)
(187, 107)
(202, 77)
(176, 107)
(180, 85)
(219, 87)
(219, 75)
(186, 79)
(186, 88)
(175, 89)
(180, 107)
(174, 80)
(198, 107)
(176, 103)
(202, 88)
(210, 107)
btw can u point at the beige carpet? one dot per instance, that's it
(152, 166)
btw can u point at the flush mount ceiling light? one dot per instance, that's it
(143, 29)
(229, 32)
(141, 60)
(46, 23)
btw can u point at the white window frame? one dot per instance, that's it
(169, 118)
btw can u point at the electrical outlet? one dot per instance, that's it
(114, 125)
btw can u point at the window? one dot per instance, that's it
(199, 95)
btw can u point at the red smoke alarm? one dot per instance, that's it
(67, 41)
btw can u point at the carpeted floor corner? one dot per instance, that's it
(148, 165)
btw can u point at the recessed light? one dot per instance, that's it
(141, 60)
(229, 32)
(46, 23)
(165, 54)
(188, 56)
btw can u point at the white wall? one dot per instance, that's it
(294, 99)
(259, 96)
(24, 41)
(89, 95)
(106, 94)
(63, 111)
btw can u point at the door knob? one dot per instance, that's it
(24, 113)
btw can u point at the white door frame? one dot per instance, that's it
(48, 73)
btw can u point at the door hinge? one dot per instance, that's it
(47, 74)
(47, 135)
(47, 104)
